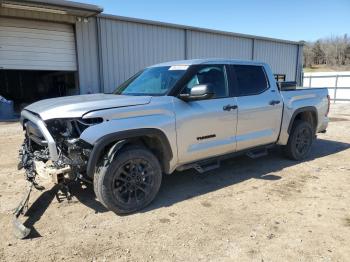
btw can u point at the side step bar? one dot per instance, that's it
(213, 163)
(202, 167)
(257, 153)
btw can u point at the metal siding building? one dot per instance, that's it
(109, 49)
(88, 56)
(281, 57)
(204, 44)
(128, 45)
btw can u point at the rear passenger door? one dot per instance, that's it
(259, 106)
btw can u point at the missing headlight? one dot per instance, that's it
(82, 124)
(70, 128)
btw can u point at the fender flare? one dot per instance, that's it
(301, 110)
(102, 142)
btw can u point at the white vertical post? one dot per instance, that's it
(335, 88)
(310, 81)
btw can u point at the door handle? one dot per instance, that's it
(274, 102)
(229, 107)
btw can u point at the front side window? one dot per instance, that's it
(154, 81)
(251, 80)
(213, 75)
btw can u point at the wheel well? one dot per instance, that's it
(154, 141)
(308, 116)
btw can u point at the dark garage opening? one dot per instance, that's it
(26, 86)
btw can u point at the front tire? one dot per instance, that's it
(130, 182)
(300, 140)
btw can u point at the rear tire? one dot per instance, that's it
(300, 140)
(130, 182)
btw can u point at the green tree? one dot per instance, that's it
(319, 54)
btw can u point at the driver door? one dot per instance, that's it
(206, 128)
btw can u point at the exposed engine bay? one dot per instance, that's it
(34, 158)
(72, 152)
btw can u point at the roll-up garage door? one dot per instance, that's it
(36, 45)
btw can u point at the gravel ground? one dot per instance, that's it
(267, 209)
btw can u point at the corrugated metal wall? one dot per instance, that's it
(88, 58)
(111, 49)
(127, 47)
(204, 45)
(281, 57)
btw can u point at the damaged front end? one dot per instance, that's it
(51, 152)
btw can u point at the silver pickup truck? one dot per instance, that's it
(170, 116)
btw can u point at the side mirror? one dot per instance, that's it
(199, 92)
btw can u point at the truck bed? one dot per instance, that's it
(299, 98)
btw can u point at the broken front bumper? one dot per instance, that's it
(41, 168)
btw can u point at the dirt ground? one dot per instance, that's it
(267, 209)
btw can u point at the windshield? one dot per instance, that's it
(155, 81)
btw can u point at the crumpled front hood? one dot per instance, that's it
(77, 106)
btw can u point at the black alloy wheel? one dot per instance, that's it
(130, 181)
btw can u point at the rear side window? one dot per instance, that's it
(251, 80)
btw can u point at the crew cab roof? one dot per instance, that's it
(209, 61)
